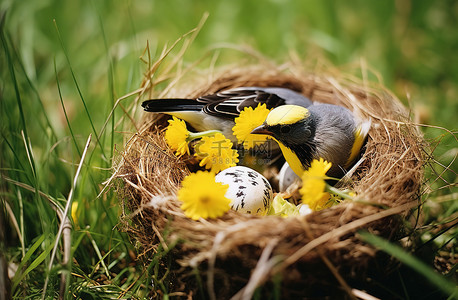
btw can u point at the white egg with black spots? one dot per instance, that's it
(249, 191)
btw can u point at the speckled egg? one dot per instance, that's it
(249, 191)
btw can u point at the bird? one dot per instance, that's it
(304, 130)
(327, 131)
(217, 111)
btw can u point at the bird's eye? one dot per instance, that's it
(285, 129)
(307, 132)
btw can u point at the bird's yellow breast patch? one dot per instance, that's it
(286, 114)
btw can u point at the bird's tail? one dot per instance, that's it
(360, 136)
(171, 105)
(365, 126)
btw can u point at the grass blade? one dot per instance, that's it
(411, 261)
(111, 84)
(12, 73)
(30, 157)
(67, 208)
(19, 274)
(33, 89)
(33, 265)
(80, 93)
(99, 255)
(78, 150)
(65, 110)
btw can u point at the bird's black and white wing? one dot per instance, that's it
(228, 104)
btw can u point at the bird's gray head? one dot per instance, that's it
(290, 125)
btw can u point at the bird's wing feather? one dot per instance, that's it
(229, 103)
(360, 135)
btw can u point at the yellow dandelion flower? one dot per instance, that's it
(216, 153)
(176, 136)
(248, 120)
(75, 212)
(313, 185)
(202, 197)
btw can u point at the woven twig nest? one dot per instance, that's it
(233, 255)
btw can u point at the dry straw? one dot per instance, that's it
(233, 255)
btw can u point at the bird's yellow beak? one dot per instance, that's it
(261, 130)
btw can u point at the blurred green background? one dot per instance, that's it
(412, 44)
(83, 55)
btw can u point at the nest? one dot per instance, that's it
(233, 255)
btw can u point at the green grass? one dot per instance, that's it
(63, 65)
